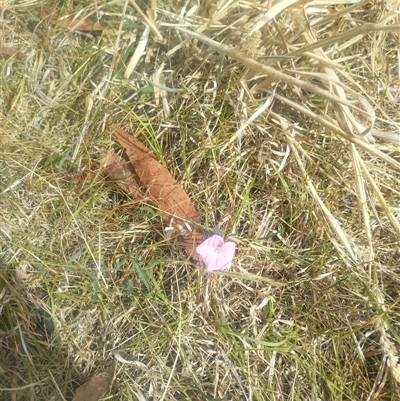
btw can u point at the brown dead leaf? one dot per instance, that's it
(144, 177)
(156, 180)
(80, 25)
(85, 24)
(21, 273)
(96, 386)
(8, 52)
(122, 172)
(190, 239)
(85, 176)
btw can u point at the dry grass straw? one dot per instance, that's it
(281, 120)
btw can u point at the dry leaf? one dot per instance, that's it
(84, 176)
(156, 180)
(85, 24)
(144, 177)
(96, 386)
(8, 52)
(21, 273)
(176, 207)
(190, 240)
(80, 25)
(123, 173)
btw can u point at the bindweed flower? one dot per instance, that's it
(216, 254)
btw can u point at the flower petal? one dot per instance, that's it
(215, 254)
(215, 241)
(228, 249)
(212, 261)
(224, 258)
(209, 245)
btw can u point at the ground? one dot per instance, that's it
(281, 122)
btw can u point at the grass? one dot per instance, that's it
(282, 124)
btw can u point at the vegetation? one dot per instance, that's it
(280, 120)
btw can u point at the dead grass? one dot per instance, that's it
(281, 120)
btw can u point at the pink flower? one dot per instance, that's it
(216, 254)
